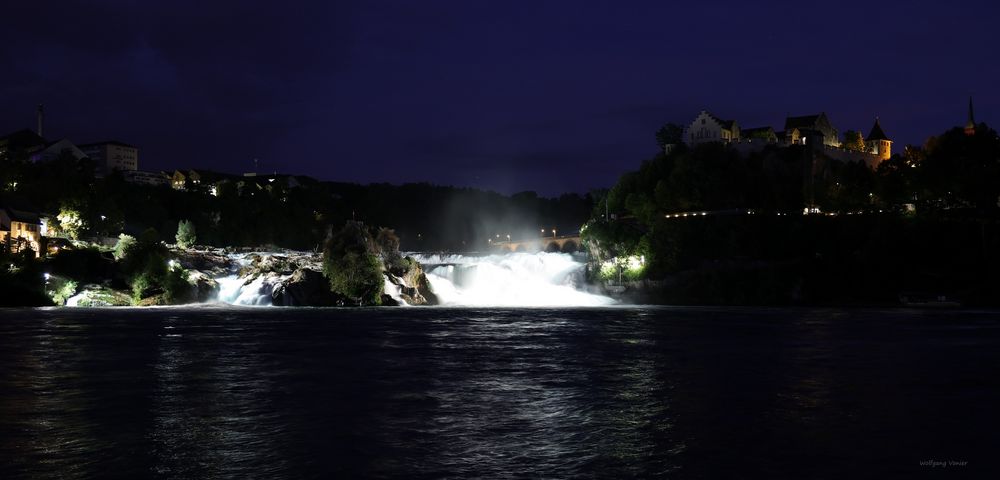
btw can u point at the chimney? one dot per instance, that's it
(41, 114)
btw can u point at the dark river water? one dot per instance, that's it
(486, 393)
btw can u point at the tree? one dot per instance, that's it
(388, 245)
(387, 241)
(960, 170)
(71, 222)
(185, 234)
(854, 142)
(351, 265)
(124, 246)
(669, 134)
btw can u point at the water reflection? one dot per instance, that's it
(518, 393)
(611, 393)
(212, 403)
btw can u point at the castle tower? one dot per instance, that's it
(970, 126)
(878, 143)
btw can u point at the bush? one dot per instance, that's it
(125, 243)
(176, 287)
(71, 222)
(185, 234)
(142, 286)
(145, 266)
(60, 289)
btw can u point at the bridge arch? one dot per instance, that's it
(570, 246)
(552, 247)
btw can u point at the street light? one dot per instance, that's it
(543, 232)
(553, 233)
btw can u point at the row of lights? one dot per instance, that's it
(490, 240)
(498, 238)
(687, 214)
(805, 211)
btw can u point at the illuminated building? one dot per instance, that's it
(709, 128)
(20, 229)
(878, 143)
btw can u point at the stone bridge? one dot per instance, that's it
(565, 244)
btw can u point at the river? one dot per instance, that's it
(610, 392)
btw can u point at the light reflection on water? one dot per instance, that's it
(621, 392)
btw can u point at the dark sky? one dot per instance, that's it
(517, 95)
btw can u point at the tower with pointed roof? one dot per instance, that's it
(970, 126)
(878, 142)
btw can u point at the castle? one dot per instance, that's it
(814, 130)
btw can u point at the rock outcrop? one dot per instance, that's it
(93, 295)
(306, 288)
(413, 286)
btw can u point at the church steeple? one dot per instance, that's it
(970, 126)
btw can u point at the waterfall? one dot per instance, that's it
(515, 279)
(242, 291)
(507, 280)
(393, 291)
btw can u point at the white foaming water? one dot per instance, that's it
(74, 301)
(238, 291)
(510, 280)
(393, 291)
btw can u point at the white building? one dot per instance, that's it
(709, 128)
(112, 155)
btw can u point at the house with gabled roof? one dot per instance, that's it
(56, 149)
(20, 227)
(709, 128)
(797, 129)
(816, 131)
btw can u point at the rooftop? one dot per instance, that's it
(108, 142)
(877, 133)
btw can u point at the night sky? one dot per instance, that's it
(511, 96)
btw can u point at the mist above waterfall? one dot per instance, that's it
(512, 280)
